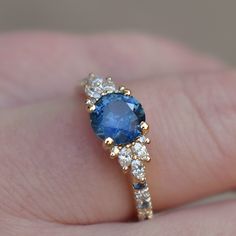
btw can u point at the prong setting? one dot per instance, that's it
(114, 152)
(125, 169)
(144, 127)
(108, 143)
(91, 108)
(148, 141)
(125, 91)
(122, 89)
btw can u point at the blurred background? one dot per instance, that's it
(206, 25)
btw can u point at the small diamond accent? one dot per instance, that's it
(138, 170)
(93, 87)
(145, 214)
(96, 86)
(140, 151)
(142, 194)
(108, 85)
(125, 157)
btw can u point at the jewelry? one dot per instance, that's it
(119, 120)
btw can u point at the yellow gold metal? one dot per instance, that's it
(125, 169)
(127, 92)
(148, 141)
(144, 127)
(91, 108)
(105, 93)
(121, 88)
(149, 215)
(114, 153)
(128, 145)
(142, 179)
(108, 143)
(143, 215)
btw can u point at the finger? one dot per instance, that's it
(50, 156)
(211, 220)
(35, 66)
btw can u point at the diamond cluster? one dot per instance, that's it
(95, 86)
(133, 156)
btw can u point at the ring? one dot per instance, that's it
(119, 120)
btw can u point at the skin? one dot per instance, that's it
(55, 178)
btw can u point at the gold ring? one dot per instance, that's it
(119, 120)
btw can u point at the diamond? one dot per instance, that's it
(96, 86)
(140, 151)
(90, 101)
(142, 194)
(125, 157)
(108, 85)
(93, 87)
(137, 169)
(144, 205)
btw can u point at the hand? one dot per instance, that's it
(54, 175)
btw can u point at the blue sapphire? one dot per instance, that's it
(117, 116)
(139, 186)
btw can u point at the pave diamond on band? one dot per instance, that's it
(119, 120)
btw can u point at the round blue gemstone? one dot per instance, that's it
(117, 116)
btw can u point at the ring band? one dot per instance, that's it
(119, 120)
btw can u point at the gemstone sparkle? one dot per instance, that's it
(137, 169)
(140, 151)
(95, 86)
(117, 116)
(125, 157)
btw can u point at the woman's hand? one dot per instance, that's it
(54, 175)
